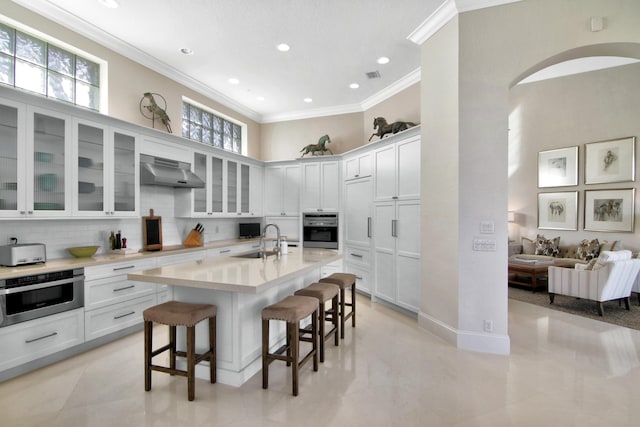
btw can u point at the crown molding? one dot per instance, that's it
(310, 114)
(394, 88)
(80, 26)
(445, 13)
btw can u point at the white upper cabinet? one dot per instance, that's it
(397, 170)
(106, 170)
(357, 212)
(357, 166)
(282, 190)
(256, 190)
(227, 191)
(321, 186)
(13, 161)
(49, 164)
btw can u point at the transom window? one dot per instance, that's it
(27, 62)
(208, 128)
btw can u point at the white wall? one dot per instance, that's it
(496, 46)
(565, 112)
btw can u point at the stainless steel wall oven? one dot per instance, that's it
(30, 297)
(320, 230)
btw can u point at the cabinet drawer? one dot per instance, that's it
(180, 258)
(118, 268)
(107, 291)
(31, 340)
(112, 318)
(363, 281)
(355, 255)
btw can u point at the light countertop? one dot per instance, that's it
(242, 275)
(112, 257)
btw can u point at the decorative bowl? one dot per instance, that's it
(83, 251)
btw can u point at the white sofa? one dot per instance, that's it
(612, 277)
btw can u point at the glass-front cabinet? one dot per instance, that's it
(106, 171)
(227, 190)
(34, 169)
(12, 155)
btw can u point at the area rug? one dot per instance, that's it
(613, 312)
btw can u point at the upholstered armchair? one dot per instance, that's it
(609, 277)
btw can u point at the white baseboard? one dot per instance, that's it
(466, 340)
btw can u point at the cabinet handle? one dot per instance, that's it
(394, 228)
(368, 226)
(224, 251)
(395, 197)
(30, 212)
(125, 288)
(123, 315)
(123, 268)
(357, 175)
(319, 209)
(358, 277)
(53, 334)
(356, 255)
(22, 212)
(282, 213)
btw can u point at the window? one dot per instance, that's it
(208, 128)
(27, 62)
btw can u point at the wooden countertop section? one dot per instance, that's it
(242, 275)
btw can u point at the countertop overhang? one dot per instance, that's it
(241, 275)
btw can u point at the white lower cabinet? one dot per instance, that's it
(112, 302)
(357, 261)
(27, 341)
(112, 318)
(396, 233)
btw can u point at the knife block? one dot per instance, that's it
(194, 239)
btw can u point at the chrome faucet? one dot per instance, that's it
(276, 249)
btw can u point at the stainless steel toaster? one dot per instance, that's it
(27, 253)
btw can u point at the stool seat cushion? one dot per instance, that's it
(321, 291)
(177, 313)
(344, 280)
(291, 309)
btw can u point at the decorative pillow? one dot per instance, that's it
(610, 256)
(588, 250)
(616, 245)
(528, 246)
(547, 247)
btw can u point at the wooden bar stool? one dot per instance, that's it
(292, 310)
(176, 313)
(344, 281)
(323, 292)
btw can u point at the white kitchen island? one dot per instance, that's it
(241, 288)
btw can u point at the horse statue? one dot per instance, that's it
(384, 128)
(319, 147)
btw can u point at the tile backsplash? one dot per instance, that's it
(58, 235)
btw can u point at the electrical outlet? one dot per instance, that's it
(488, 325)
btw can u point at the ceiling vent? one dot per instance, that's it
(373, 74)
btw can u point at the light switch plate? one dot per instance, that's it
(485, 245)
(487, 227)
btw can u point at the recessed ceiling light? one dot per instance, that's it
(186, 51)
(233, 81)
(383, 60)
(354, 85)
(109, 3)
(283, 47)
(308, 100)
(260, 98)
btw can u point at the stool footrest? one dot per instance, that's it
(281, 349)
(168, 370)
(161, 350)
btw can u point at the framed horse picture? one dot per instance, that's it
(609, 210)
(558, 211)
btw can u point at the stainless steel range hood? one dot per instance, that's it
(167, 172)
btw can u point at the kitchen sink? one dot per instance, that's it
(258, 254)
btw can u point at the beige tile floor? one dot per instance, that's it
(563, 371)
